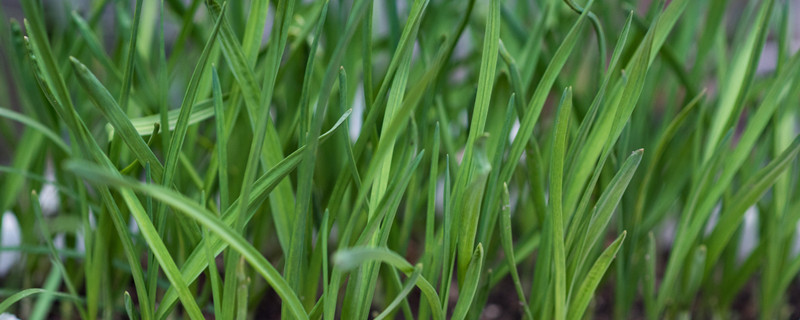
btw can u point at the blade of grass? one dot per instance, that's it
(534, 108)
(355, 257)
(35, 125)
(556, 203)
(222, 140)
(197, 262)
(470, 286)
(738, 83)
(22, 294)
(412, 280)
(54, 257)
(48, 70)
(130, 58)
(116, 116)
(578, 305)
(593, 229)
(508, 249)
(486, 76)
(199, 214)
(747, 196)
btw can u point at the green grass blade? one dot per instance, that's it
(508, 249)
(201, 111)
(178, 137)
(22, 294)
(354, 257)
(601, 215)
(589, 284)
(54, 257)
(129, 308)
(534, 108)
(470, 211)
(202, 216)
(470, 286)
(262, 187)
(412, 280)
(737, 84)
(130, 59)
(556, 203)
(36, 125)
(94, 45)
(748, 195)
(491, 43)
(222, 139)
(116, 116)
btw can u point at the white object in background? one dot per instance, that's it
(8, 316)
(48, 200)
(11, 237)
(749, 234)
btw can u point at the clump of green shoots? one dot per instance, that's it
(384, 159)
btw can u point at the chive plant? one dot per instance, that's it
(386, 159)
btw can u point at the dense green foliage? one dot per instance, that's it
(363, 159)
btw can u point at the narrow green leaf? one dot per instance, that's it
(36, 125)
(737, 84)
(491, 42)
(130, 59)
(508, 249)
(129, 308)
(354, 257)
(589, 284)
(197, 213)
(222, 142)
(556, 203)
(178, 137)
(749, 193)
(470, 286)
(590, 231)
(22, 294)
(116, 116)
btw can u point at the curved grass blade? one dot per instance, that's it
(412, 280)
(56, 97)
(10, 301)
(355, 257)
(470, 211)
(199, 214)
(129, 308)
(470, 285)
(584, 294)
(508, 249)
(54, 257)
(36, 125)
(739, 80)
(200, 111)
(262, 187)
(116, 116)
(182, 124)
(94, 45)
(665, 138)
(127, 78)
(534, 109)
(486, 76)
(150, 235)
(593, 229)
(748, 195)
(611, 121)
